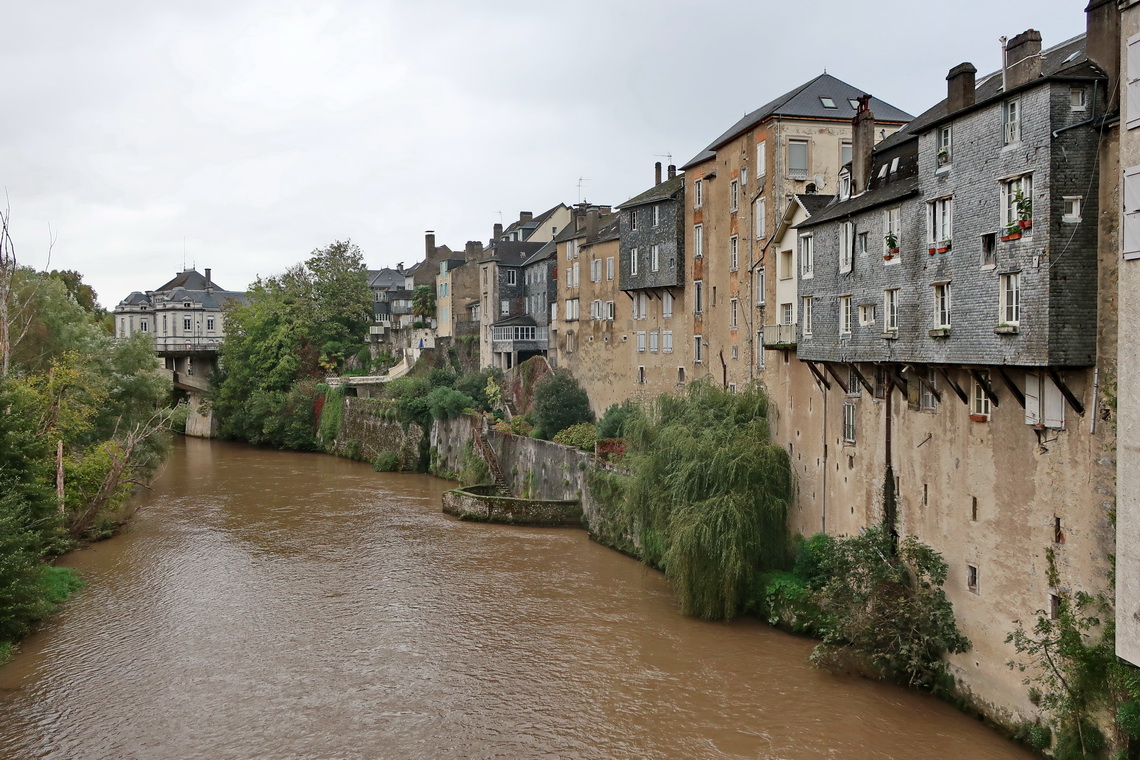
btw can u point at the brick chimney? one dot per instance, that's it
(498, 231)
(429, 243)
(960, 87)
(1022, 59)
(525, 216)
(591, 222)
(657, 174)
(672, 171)
(209, 285)
(862, 142)
(473, 250)
(1102, 41)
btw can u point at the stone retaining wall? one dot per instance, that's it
(482, 504)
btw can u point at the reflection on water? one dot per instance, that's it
(270, 604)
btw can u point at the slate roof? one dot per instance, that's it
(662, 192)
(384, 279)
(608, 229)
(548, 249)
(189, 285)
(511, 253)
(528, 227)
(191, 280)
(805, 102)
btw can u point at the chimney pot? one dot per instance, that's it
(429, 243)
(960, 87)
(672, 171)
(657, 173)
(498, 230)
(208, 283)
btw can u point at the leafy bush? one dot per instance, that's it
(179, 417)
(612, 423)
(1033, 735)
(560, 402)
(581, 436)
(331, 415)
(474, 384)
(473, 470)
(389, 461)
(448, 403)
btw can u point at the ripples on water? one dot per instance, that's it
(278, 605)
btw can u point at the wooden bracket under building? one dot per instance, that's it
(925, 383)
(831, 371)
(985, 386)
(1017, 394)
(1074, 402)
(862, 380)
(818, 375)
(954, 386)
(899, 380)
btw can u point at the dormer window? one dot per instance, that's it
(827, 102)
(844, 186)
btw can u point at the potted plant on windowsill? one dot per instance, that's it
(1024, 210)
(944, 246)
(932, 249)
(979, 417)
(1012, 232)
(943, 156)
(892, 240)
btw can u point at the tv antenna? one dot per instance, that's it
(667, 156)
(580, 181)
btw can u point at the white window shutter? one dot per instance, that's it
(1032, 398)
(1054, 406)
(1132, 212)
(1132, 76)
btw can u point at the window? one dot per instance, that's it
(1009, 297)
(1071, 209)
(1016, 202)
(512, 277)
(1078, 98)
(891, 310)
(942, 305)
(760, 283)
(641, 341)
(787, 315)
(144, 326)
(892, 230)
(1044, 404)
(698, 352)
(655, 215)
(667, 305)
(504, 307)
(849, 422)
(609, 267)
(209, 323)
(981, 401)
(759, 348)
(596, 270)
(736, 352)
(571, 311)
(698, 242)
(610, 310)
(654, 257)
(867, 314)
(732, 313)
(680, 375)
(633, 261)
(807, 256)
(640, 306)
(569, 342)
(733, 195)
(571, 250)
(1054, 607)
(733, 254)
(654, 341)
(1132, 76)
(941, 220)
(744, 176)
(698, 193)
(861, 242)
(845, 315)
(785, 269)
(844, 185)
(797, 159)
(972, 579)
(926, 398)
(974, 508)
(827, 102)
(186, 324)
(945, 145)
(844, 152)
(667, 342)
(762, 158)
(553, 313)
(574, 278)
(846, 246)
(854, 387)
(1058, 531)
(595, 309)
(807, 315)
(698, 296)
(633, 219)
(989, 250)
(1011, 122)
(760, 219)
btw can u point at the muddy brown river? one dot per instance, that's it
(276, 605)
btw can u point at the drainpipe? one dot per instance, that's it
(823, 522)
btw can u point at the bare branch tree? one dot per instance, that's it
(7, 275)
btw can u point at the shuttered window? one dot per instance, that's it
(1133, 77)
(1132, 212)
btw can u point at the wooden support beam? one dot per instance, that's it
(862, 380)
(831, 371)
(1017, 394)
(986, 387)
(924, 382)
(954, 386)
(899, 380)
(1074, 402)
(818, 375)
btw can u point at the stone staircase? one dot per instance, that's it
(488, 453)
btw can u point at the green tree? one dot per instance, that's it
(560, 402)
(423, 301)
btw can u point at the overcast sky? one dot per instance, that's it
(240, 135)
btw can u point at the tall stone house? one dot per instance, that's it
(457, 293)
(948, 316)
(737, 189)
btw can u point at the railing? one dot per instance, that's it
(522, 332)
(779, 336)
(187, 343)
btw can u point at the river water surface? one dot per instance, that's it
(277, 605)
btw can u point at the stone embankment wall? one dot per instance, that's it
(482, 504)
(367, 433)
(200, 421)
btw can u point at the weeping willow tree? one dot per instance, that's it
(709, 494)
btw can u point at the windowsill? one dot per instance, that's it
(1006, 330)
(892, 261)
(942, 170)
(940, 332)
(1011, 147)
(890, 335)
(1070, 220)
